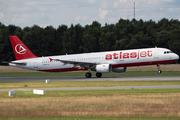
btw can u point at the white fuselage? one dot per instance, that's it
(121, 58)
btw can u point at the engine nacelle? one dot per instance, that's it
(103, 68)
(119, 69)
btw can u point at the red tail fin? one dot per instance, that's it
(20, 50)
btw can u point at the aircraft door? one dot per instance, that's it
(36, 64)
(156, 53)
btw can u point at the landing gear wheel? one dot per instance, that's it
(98, 74)
(88, 75)
(159, 71)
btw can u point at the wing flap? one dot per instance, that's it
(76, 63)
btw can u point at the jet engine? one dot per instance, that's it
(119, 69)
(103, 68)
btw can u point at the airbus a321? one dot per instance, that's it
(101, 62)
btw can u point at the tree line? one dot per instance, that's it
(125, 34)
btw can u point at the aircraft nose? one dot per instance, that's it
(176, 56)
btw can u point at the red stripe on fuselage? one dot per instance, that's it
(64, 69)
(142, 63)
(113, 66)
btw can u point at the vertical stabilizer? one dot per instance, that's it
(20, 50)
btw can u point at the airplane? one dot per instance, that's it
(101, 62)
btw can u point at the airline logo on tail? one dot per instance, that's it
(20, 49)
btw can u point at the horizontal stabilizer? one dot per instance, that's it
(17, 63)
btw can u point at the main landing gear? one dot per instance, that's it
(88, 75)
(159, 71)
(98, 74)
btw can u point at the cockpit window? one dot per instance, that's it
(167, 52)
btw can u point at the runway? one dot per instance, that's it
(122, 78)
(99, 88)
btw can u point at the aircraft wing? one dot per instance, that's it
(77, 63)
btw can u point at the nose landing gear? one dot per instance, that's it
(159, 71)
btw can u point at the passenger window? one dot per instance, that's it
(165, 52)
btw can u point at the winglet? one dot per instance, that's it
(20, 49)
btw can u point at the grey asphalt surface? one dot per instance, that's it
(99, 88)
(121, 78)
(137, 78)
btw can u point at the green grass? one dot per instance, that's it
(87, 93)
(62, 95)
(129, 73)
(79, 94)
(61, 84)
